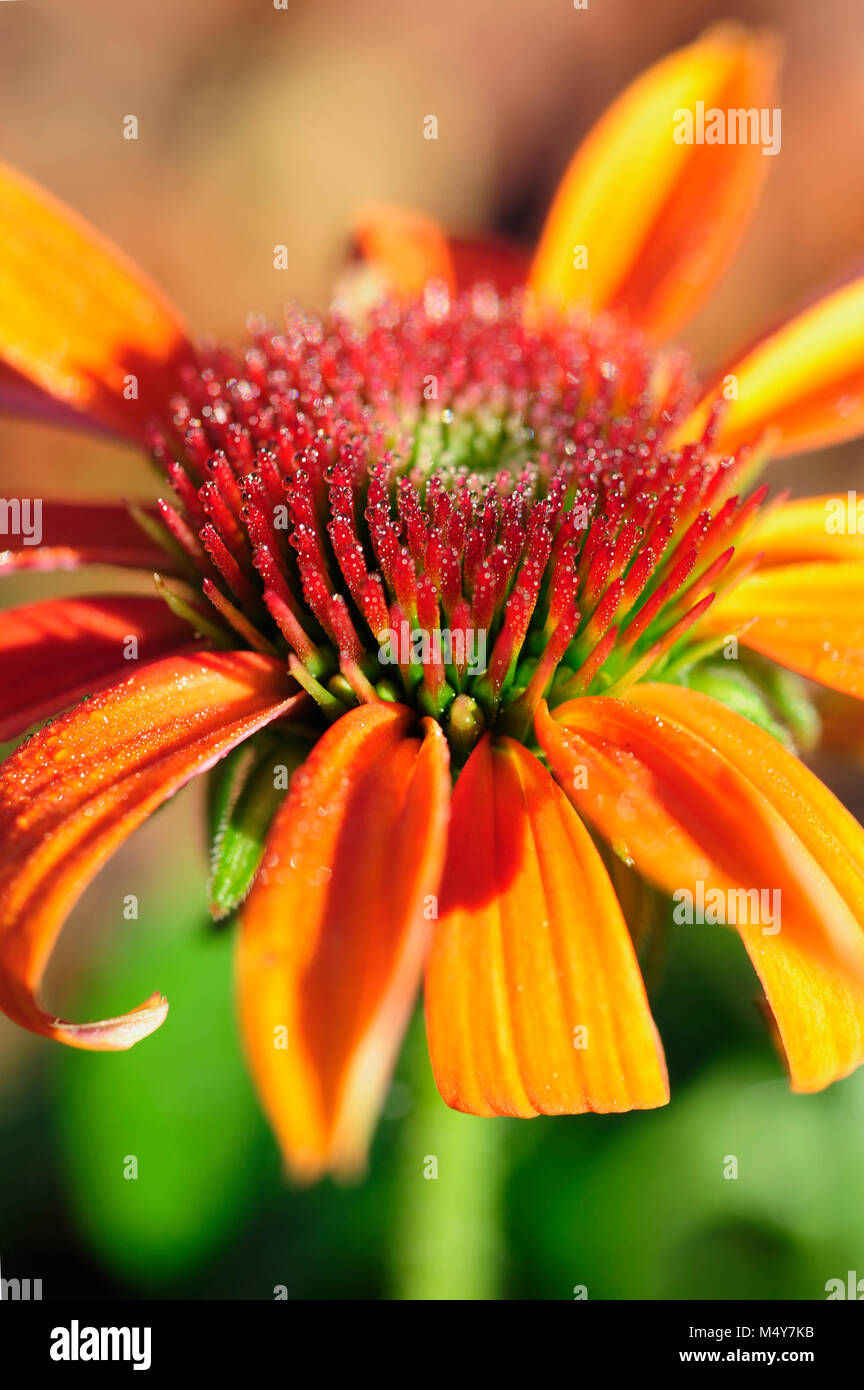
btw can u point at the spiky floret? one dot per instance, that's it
(464, 475)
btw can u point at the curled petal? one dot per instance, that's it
(534, 1000)
(78, 320)
(71, 534)
(803, 383)
(71, 794)
(659, 220)
(63, 648)
(335, 930)
(685, 812)
(808, 617)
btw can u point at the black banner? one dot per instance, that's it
(86, 1340)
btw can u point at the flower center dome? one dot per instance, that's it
(458, 504)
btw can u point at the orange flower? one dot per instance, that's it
(466, 569)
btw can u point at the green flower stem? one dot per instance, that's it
(448, 1243)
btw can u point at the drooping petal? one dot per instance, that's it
(830, 833)
(805, 528)
(659, 220)
(534, 1000)
(66, 535)
(73, 792)
(78, 319)
(804, 383)
(335, 930)
(408, 248)
(685, 814)
(55, 651)
(809, 617)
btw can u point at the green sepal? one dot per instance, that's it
(246, 791)
(734, 687)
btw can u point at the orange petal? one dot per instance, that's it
(58, 650)
(405, 246)
(78, 319)
(74, 791)
(799, 530)
(659, 220)
(830, 833)
(85, 533)
(335, 930)
(808, 617)
(534, 1000)
(805, 382)
(685, 813)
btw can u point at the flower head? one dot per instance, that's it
(443, 581)
(453, 471)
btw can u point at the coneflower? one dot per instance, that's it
(442, 583)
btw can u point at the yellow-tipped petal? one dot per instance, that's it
(659, 220)
(804, 383)
(806, 528)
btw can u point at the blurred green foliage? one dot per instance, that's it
(633, 1206)
(159, 1143)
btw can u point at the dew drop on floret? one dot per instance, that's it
(461, 468)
